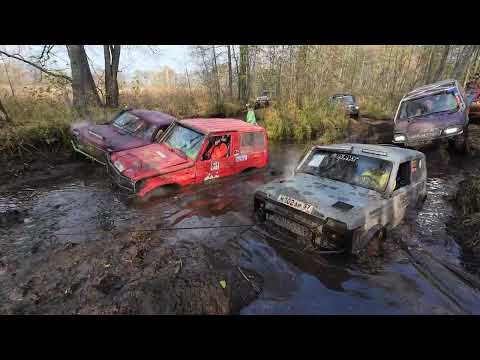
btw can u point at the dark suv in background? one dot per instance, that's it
(349, 102)
(433, 113)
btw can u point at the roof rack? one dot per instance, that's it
(375, 152)
(430, 88)
(336, 148)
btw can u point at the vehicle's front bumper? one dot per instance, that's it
(93, 153)
(317, 234)
(121, 181)
(418, 141)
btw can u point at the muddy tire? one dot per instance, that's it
(375, 245)
(462, 143)
(420, 202)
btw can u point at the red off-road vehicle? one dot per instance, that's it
(191, 151)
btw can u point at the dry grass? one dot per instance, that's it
(42, 115)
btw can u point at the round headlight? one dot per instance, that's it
(451, 130)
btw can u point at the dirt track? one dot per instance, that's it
(81, 247)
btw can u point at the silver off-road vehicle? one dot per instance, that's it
(344, 197)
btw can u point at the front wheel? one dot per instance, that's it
(462, 143)
(375, 245)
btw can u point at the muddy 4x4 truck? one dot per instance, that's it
(263, 100)
(349, 103)
(344, 198)
(131, 128)
(184, 155)
(433, 113)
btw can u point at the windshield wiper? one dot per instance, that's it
(431, 113)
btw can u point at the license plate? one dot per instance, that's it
(289, 225)
(299, 205)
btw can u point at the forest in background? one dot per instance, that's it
(38, 102)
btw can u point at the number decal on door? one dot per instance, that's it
(215, 166)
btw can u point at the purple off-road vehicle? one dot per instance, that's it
(130, 129)
(433, 113)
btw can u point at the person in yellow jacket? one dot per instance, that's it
(376, 177)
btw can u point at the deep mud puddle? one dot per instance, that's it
(85, 248)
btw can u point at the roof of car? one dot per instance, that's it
(393, 153)
(155, 117)
(431, 88)
(342, 94)
(219, 125)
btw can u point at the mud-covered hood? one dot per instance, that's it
(430, 123)
(147, 161)
(109, 138)
(330, 199)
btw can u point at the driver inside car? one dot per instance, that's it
(379, 177)
(219, 149)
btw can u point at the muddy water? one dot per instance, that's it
(83, 211)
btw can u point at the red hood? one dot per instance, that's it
(150, 160)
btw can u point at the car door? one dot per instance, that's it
(208, 169)
(251, 150)
(404, 194)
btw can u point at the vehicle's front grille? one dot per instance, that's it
(427, 135)
(119, 179)
(306, 228)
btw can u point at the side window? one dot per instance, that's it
(417, 168)
(218, 148)
(403, 175)
(252, 142)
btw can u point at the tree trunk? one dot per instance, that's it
(112, 59)
(443, 63)
(462, 61)
(83, 87)
(230, 85)
(5, 117)
(243, 74)
(218, 92)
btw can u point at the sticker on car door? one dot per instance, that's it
(215, 166)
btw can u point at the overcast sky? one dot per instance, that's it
(132, 58)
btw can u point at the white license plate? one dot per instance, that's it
(289, 225)
(299, 205)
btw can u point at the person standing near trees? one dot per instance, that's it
(251, 119)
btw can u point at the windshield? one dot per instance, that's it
(428, 105)
(346, 99)
(134, 125)
(367, 172)
(184, 139)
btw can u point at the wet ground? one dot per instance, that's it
(78, 246)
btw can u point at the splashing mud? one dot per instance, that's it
(87, 248)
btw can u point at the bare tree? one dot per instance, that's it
(242, 87)
(230, 77)
(84, 90)
(443, 62)
(112, 59)
(36, 66)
